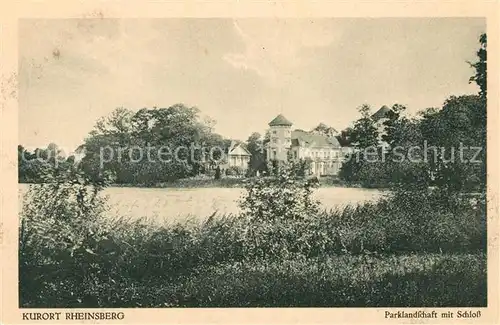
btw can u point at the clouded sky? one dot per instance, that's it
(242, 73)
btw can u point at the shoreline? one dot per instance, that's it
(217, 184)
(223, 183)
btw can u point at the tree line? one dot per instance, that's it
(461, 121)
(452, 142)
(111, 149)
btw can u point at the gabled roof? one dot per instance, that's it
(381, 113)
(306, 139)
(80, 149)
(280, 120)
(237, 149)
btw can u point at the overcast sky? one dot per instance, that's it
(242, 73)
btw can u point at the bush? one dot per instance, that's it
(275, 211)
(282, 219)
(283, 197)
(403, 222)
(235, 171)
(61, 236)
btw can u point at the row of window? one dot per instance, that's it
(313, 154)
(324, 154)
(238, 158)
(325, 165)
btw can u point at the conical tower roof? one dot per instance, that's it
(280, 120)
(381, 113)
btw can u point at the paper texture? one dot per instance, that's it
(298, 74)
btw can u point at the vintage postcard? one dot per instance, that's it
(250, 163)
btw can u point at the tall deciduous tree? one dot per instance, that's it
(186, 137)
(481, 67)
(255, 145)
(365, 133)
(345, 137)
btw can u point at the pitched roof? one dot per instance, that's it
(306, 139)
(381, 113)
(238, 149)
(280, 120)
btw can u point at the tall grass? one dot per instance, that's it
(409, 249)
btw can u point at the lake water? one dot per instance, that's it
(174, 203)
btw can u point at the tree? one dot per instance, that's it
(119, 121)
(23, 158)
(393, 123)
(345, 137)
(480, 78)
(177, 130)
(363, 136)
(448, 139)
(255, 145)
(460, 123)
(324, 129)
(34, 167)
(364, 133)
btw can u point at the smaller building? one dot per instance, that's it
(237, 156)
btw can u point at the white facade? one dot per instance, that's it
(238, 157)
(280, 142)
(324, 161)
(325, 154)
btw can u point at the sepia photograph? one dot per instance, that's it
(264, 162)
(252, 162)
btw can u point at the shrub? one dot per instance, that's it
(276, 211)
(282, 219)
(283, 197)
(61, 236)
(235, 171)
(402, 222)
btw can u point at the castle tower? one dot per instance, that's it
(280, 138)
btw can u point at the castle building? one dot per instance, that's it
(323, 150)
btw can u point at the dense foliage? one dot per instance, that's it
(178, 129)
(34, 167)
(147, 148)
(437, 133)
